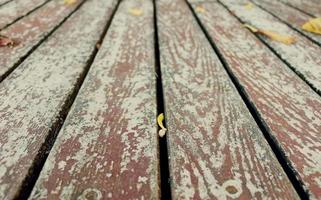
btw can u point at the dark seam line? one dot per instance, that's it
(4, 3)
(299, 9)
(24, 15)
(38, 163)
(165, 183)
(22, 58)
(289, 25)
(271, 139)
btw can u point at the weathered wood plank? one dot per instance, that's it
(216, 149)
(312, 7)
(17, 9)
(30, 31)
(108, 146)
(3, 2)
(33, 96)
(290, 108)
(303, 56)
(291, 16)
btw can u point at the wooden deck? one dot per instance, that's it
(84, 82)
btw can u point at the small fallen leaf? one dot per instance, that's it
(160, 120)
(248, 6)
(135, 11)
(200, 9)
(286, 39)
(69, 2)
(5, 41)
(313, 25)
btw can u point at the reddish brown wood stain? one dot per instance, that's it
(289, 107)
(30, 30)
(292, 16)
(33, 95)
(216, 149)
(15, 9)
(108, 145)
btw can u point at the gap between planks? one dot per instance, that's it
(38, 163)
(271, 48)
(37, 44)
(24, 14)
(165, 184)
(279, 153)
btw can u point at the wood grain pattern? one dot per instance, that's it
(303, 56)
(16, 9)
(291, 16)
(313, 7)
(30, 30)
(108, 146)
(216, 149)
(33, 95)
(290, 109)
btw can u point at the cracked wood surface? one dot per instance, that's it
(17, 9)
(291, 16)
(33, 96)
(289, 107)
(303, 56)
(30, 31)
(108, 146)
(216, 149)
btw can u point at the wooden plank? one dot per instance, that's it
(288, 107)
(110, 136)
(312, 7)
(290, 15)
(2, 2)
(17, 9)
(43, 21)
(216, 149)
(34, 95)
(303, 56)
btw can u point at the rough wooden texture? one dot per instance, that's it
(291, 16)
(33, 95)
(30, 30)
(289, 107)
(108, 146)
(16, 9)
(303, 56)
(3, 2)
(216, 149)
(313, 7)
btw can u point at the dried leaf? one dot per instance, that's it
(135, 11)
(286, 39)
(160, 120)
(313, 25)
(248, 6)
(200, 9)
(5, 41)
(69, 2)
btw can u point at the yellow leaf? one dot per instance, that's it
(286, 39)
(69, 2)
(135, 11)
(200, 9)
(160, 120)
(252, 28)
(248, 6)
(313, 25)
